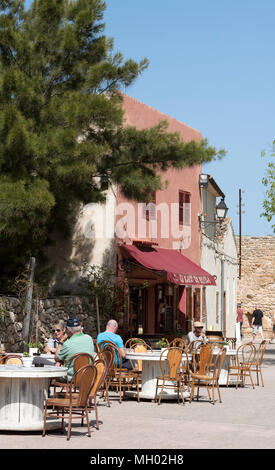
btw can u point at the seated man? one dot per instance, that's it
(77, 342)
(110, 335)
(198, 334)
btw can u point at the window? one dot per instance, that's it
(184, 208)
(149, 209)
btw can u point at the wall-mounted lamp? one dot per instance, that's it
(203, 180)
(221, 211)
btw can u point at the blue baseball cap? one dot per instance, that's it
(71, 322)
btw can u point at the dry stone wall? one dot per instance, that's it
(44, 314)
(257, 284)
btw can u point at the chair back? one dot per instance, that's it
(79, 360)
(87, 376)
(96, 346)
(260, 352)
(3, 357)
(197, 344)
(133, 341)
(202, 358)
(13, 359)
(232, 342)
(101, 369)
(219, 360)
(178, 343)
(174, 358)
(109, 345)
(140, 348)
(108, 355)
(245, 354)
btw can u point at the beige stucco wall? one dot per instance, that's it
(257, 284)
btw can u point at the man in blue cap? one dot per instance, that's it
(77, 342)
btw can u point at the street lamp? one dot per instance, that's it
(221, 211)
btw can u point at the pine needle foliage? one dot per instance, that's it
(61, 123)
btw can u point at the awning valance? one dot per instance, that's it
(179, 269)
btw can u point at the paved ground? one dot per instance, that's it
(244, 420)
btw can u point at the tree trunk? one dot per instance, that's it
(28, 305)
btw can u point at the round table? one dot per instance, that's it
(150, 370)
(22, 394)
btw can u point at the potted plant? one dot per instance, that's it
(225, 343)
(27, 359)
(162, 343)
(34, 348)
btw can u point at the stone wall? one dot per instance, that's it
(257, 284)
(44, 315)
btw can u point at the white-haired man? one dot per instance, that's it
(110, 335)
(77, 342)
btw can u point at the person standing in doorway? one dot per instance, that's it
(257, 323)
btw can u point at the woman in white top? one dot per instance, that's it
(59, 331)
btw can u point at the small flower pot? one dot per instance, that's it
(33, 351)
(27, 361)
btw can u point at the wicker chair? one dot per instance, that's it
(13, 359)
(178, 343)
(245, 357)
(173, 378)
(208, 373)
(108, 355)
(133, 341)
(79, 360)
(256, 366)
(76, 405)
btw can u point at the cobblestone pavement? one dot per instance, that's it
(244, 420)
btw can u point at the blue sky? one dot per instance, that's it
(211, 66)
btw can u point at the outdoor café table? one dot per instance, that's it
(150, 370)
(22, 394)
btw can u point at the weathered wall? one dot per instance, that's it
(49, 311)
(257, 284)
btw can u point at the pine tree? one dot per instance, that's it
(61, 123)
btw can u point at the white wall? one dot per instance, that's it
(212, 253)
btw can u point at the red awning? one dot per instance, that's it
(180, 270)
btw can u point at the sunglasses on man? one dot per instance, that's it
(57, 329)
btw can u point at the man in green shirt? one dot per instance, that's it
(77, 342)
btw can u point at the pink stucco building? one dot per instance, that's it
(162, 247)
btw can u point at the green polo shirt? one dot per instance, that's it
(77, 343)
